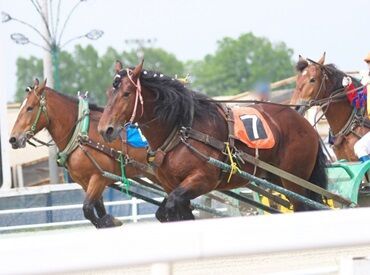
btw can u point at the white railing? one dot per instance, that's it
(134, 217)
(134, 202)
(138, 244)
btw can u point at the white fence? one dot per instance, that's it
(134, 217)
(152, 243)
(60, 206)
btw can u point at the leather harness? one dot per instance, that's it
(178, 134)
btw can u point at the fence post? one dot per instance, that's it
(134, 209)
(20, 180)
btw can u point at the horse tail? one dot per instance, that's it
(319, 176)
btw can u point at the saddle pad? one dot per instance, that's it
(251, 128)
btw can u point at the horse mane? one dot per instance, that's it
(336, 76)
(92, 106)
(175, 103)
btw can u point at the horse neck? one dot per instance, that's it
(338, 113)
(155, 131)
(62, 113)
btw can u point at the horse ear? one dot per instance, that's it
(301, 58)
(40, 89)
(301, 64)
(137, 71)
(118, 67)
(36, 82)
(322, 59)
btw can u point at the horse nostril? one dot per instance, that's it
(109, 131)
(12, 140)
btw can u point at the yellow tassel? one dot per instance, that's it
(233, 164)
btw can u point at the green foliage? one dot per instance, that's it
(27, 71)
(85, 70)
(156, 59)
(239, 64)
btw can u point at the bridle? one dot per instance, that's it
(42, 110)
(335, 96)
(138, 96)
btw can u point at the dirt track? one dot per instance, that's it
(327, 260)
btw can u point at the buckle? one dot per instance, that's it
(184, 131)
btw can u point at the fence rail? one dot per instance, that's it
(139, 244)
(134, 217)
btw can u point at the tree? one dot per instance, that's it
(84, 70)
(27, 71)
(239, 64)
(156, 59)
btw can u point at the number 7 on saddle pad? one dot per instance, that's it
(252, 129)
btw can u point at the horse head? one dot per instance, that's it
(32, 116)
(310, 82)
(124, 100)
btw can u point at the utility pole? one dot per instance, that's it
(52, 44)
(48, 73)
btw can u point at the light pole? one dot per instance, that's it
(52, 44)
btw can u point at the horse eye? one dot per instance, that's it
(312, 80)
(126, 94)
(29, 109)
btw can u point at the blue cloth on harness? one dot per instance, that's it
(134, 137)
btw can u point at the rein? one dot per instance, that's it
(335, 96)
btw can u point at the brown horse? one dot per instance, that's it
(59, 119)
(162, 105)
(321, 85)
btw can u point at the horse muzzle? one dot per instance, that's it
(303, 108)
(110, 133)
(18, 142)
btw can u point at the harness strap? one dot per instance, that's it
(138, 96)
(42, 143)
(100, 147)
(81, 128)
(202, 137)
(156, 157)
(252, 187)
(41, 110)
(293, 178)
(230, 123)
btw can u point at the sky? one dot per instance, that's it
(191, 28)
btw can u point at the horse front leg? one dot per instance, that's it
(106, 220)
(178, 205)
(161, 214)
(94, 201)
(89, 213)
(100, 208)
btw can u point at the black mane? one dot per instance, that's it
(336, 77)
(175, 103)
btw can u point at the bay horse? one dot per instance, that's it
(161, 105)
(60, 118)
(321, 85)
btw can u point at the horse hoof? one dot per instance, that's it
(117, 222)
(109, 221)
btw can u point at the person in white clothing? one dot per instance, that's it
(362, 146)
